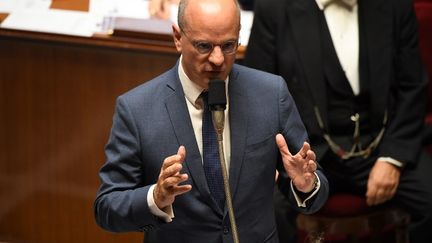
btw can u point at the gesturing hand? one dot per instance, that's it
(300, 167)
(167, 186)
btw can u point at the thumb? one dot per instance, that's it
(182, 152)
(281, 143)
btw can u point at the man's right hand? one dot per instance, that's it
(167, 186)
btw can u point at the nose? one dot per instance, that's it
(216, 56)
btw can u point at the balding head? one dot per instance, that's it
(207, 35)
(208, 8)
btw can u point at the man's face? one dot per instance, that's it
(207, 41)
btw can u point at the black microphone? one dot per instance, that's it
(216, 95)
(217, 105)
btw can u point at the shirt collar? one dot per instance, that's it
(192, 90)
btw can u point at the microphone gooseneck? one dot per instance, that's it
(217, 104)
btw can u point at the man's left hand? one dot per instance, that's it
(382, 183)
(299, 167)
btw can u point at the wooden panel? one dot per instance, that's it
(79, 5)
(56, 107)
(3, 16)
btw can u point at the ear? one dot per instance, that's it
(177, 37)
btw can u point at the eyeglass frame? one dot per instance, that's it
(195, 44)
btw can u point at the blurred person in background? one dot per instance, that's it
(162, 8)
(354, 70)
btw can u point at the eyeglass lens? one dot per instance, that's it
(228, 47)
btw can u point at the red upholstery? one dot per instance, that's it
(347, 218)
(423, 10)
(344, 205)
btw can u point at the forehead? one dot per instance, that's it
(212, 19)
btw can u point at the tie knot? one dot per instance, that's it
(204, 98)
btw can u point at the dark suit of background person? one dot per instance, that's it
(290, 38)
(247, 4)
(152, 121)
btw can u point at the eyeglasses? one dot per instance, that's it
(205, 47)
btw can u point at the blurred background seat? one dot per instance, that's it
(347, 218)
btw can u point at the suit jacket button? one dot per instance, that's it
(225, 230)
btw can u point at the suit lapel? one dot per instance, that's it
(238, 124)
(375, 19)
(305, 24)
(182, 125)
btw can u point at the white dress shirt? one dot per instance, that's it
(342, 21)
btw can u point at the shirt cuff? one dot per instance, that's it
(302, 203)
(165, 216)
(391, 161)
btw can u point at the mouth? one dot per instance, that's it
(214, 71)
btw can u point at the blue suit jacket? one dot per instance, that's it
(152, 121)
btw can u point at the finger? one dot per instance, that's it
(304, 150)
(164, 196)
(312, 166)
(393, 192)
(177, 158)
(281, 143)
(173, 166)
(169, 161)
(182, 189)
(175, 180)
(382, 192)
(370, 200)
(310, 155)
(381, 197)
(388, 193)
(173, 170)
(182, 152)
(375, 195)
(171, 184)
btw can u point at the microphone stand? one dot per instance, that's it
(218, 117)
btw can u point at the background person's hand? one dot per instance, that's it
(382, 183)
(161, 8)
(167, 186)
(300, 167)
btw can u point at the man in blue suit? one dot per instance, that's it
(154, 180)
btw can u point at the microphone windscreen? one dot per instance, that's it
(216, 95)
